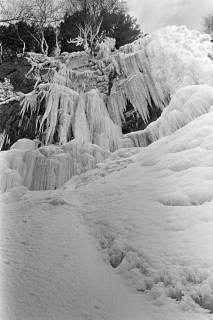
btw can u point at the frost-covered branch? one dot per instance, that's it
(39, 13)
(88, 36)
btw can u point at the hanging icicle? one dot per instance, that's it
(102, 129)
(80, 125)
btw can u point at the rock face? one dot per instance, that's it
(15, 70)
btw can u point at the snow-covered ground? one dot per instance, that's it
(51, 268)
(129, 240)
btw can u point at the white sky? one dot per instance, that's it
(153, 14)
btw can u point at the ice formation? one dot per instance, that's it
(180, 57)
(48, 167)
(172, 70)
(187, 104)
(25, 144)
(105, 48)
(66, 111)
(135, 90)
(149, 72)
(154, 68)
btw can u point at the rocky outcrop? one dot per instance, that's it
(15, 70)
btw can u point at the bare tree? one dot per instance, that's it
(40, 13)
(13, 11)
(88, 35)
(89, 31)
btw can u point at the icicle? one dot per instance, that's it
(68, 106)
(103, 131)
(80, 125)
(139, 88)
(3, 137)
(117, 104)
(134, 90)
(48, 167)
(75, 60)
(136, 45)
(29, 103)
(95, 109)
(60, 105)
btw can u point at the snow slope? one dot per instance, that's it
(150, 210)
(154, 219)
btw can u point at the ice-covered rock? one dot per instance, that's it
(26, 144)
(153, 68)
(146, 74)
(186, 105)
(48, 167)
